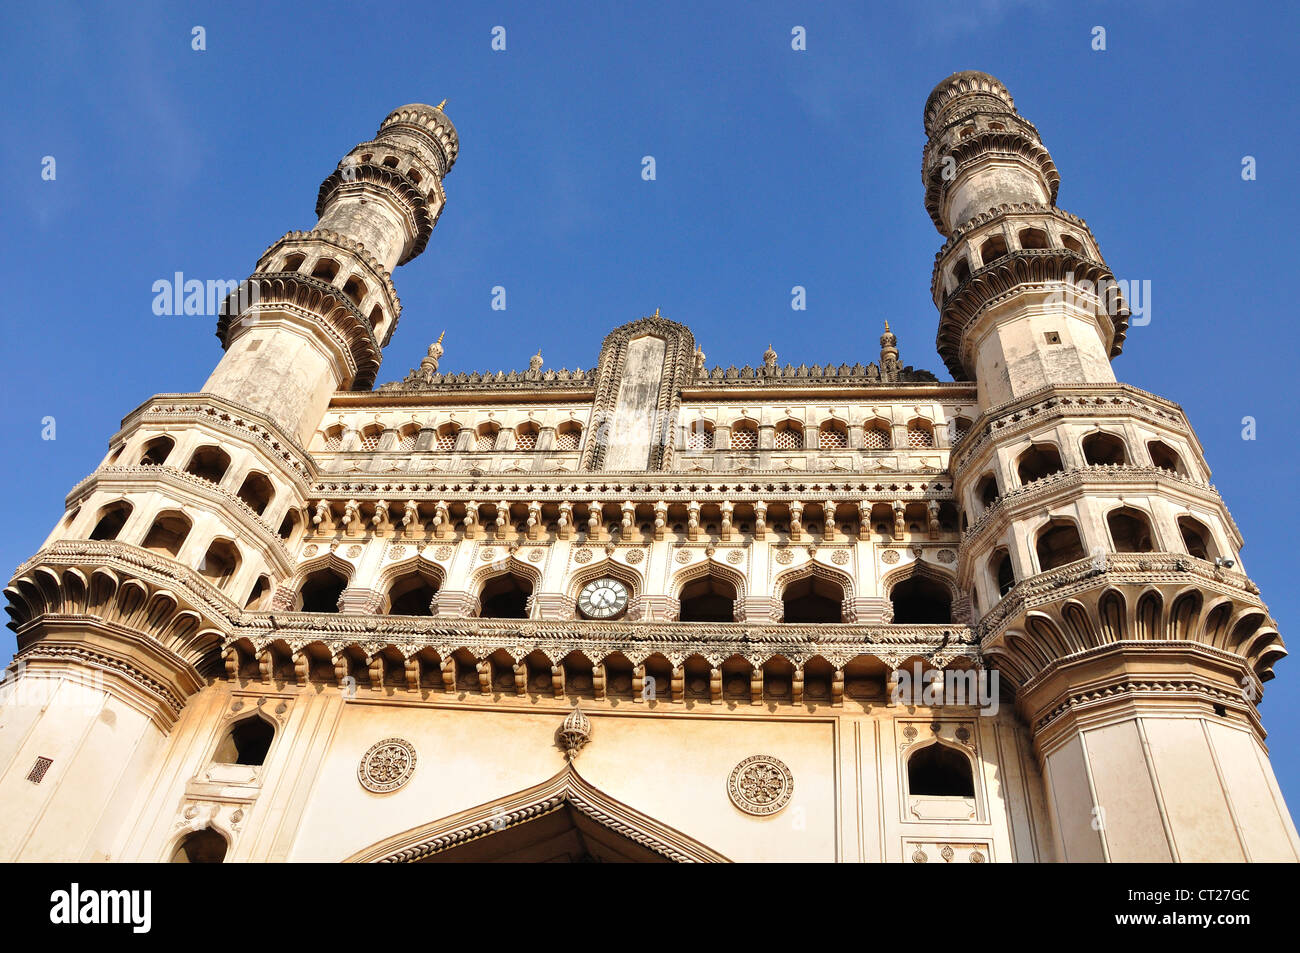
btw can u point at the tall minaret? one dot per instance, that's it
(191, 517)
(320, 305)
(1104, 567)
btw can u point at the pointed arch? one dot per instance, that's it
(708, 567)
(607, 567)
(921, 570)
(567, 788)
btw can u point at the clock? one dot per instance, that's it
(602, 598)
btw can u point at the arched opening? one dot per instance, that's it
(205, 846)
(939, 770)
(505, 597)
(960, 271)
(1073, 244)
(246, 742)
(167, 534)
(920, 435)
(257, 491)
(326, 269)
(155, 452)
(986, 490)
(744, 436)
(700, 435)
(412, 594)
(1004, 575)
(1040, 460)
(333, 438)
(445, 439)
(377, 321)
(1033, 238)
(526, 437)
(710, 598)
(210, 463)
(1058, 543)
(1102, 449)
(1166, 457)
(220, 562)
(407, 436)
(789, 435)
(370, 437)
(1197, 538)
(355, 289)
(289, 524)
(321, 590)
(993, 249)
(1130, 530)
(813, 599)
(959, 427)
(832, 436)
(920, 600)
(875, 436)
(568, 436)
(293, 262)
(260, 594)
(111, 520)
(486, 439)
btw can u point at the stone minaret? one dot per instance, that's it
(1104, 566)
(190, 518)
(320, 304)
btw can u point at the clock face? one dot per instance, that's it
(602, 599)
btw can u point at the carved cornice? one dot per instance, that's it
(326, 306)
(355, 177)
(483, 383)
(984, 144)
(432, 124)
(995, 281)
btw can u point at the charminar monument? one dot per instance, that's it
(652, 610)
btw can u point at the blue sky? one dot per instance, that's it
(775, 168)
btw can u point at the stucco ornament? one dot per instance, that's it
(760, 785)
(574, 733)
(387, 766)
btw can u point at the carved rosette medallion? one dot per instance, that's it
(442, 552)
(760, 785)
(947, 556)
(582, 555)
(784, 557)
(535, 555)
(735, 557)
(488, 554)
(354, 552)
(635, 556)
(683, 555)
(889, 557)
(840, 557)
(387, 765)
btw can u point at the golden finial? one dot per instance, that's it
(440, 336)
(441, 104)
(886, 325)
(656, 312)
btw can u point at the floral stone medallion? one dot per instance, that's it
(760, 785)
(387, 765)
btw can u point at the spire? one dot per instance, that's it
(889, 362)
(429, 366)
(535, 362)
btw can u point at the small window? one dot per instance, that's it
(156, 451)
(993, 248)
(876, 437)
(832, 436)
(1052, 337)
(486, 440)
(370, 438)
(789, 436)
(938, 770)
(111, 520)
(744, 436)
(526, 437)
(326, 269)
(445, 441)
(567, 437)
(1033, 238)
(700, 436)
(919, 436)
(247, 742)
